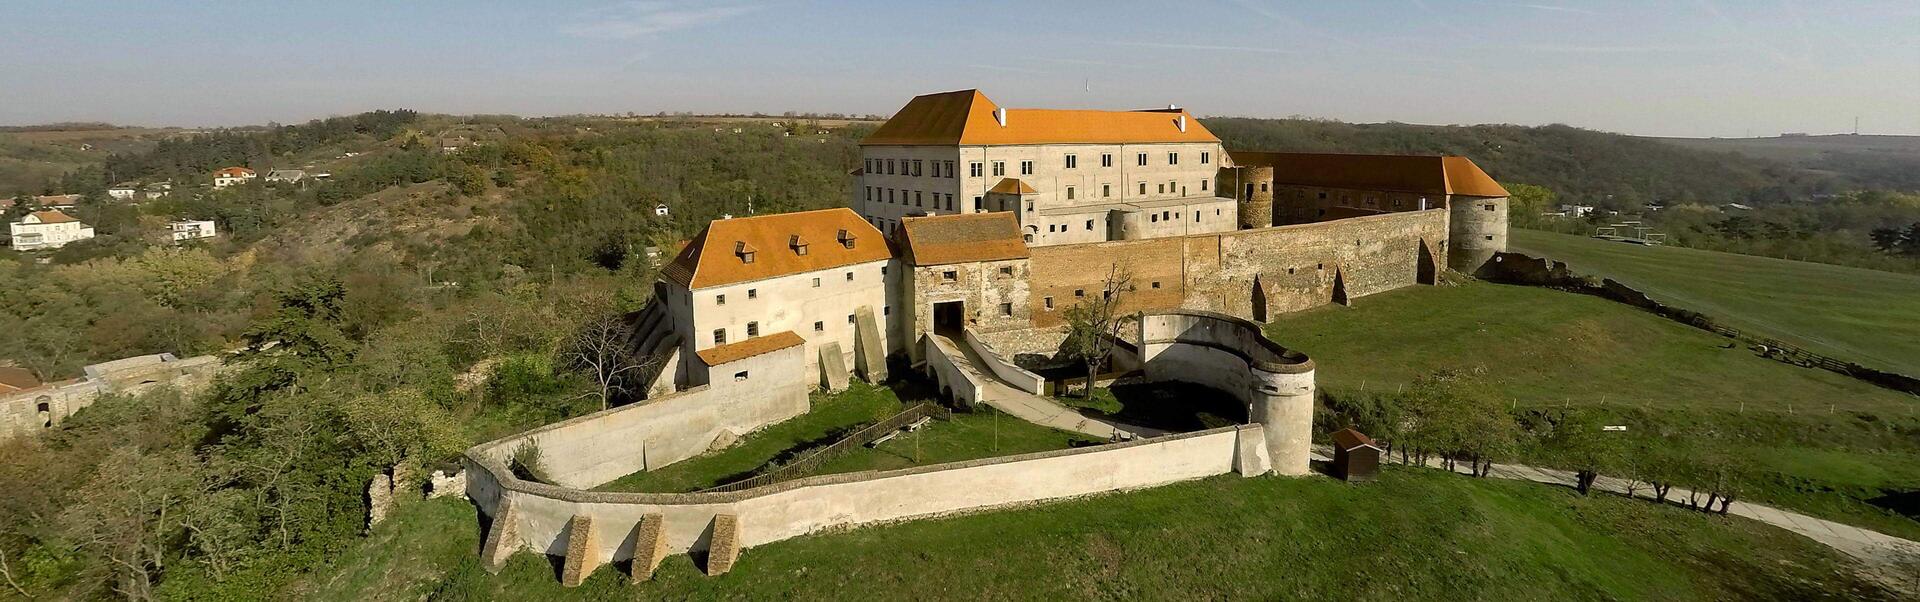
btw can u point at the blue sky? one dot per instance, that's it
(1685, 68)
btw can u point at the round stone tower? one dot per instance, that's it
(1255, 194)
(1282, 399)
(1476, 229)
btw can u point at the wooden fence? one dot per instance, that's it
(812, 461)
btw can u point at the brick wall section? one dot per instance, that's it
(1296, 264)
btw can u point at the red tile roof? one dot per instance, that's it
(733, 352)
(959, 238)
(16, 379)
(234, 172)
(716, 256)
(54, 217)
(1420, 174)
(1348, 439)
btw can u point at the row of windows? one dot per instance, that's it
(1073, 162)
(887, 195)
(910, 167)
(1168, 216)
(753, 328)
(754, 293)
(1106, 190)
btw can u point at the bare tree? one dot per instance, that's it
(1093, 324)
(602, 347)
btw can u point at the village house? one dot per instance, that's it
(232, 176)
(47, 230)
(285, 176)
(822, 276)
(56, 201)
(124, 191)
(1069, 176)
(192, 229)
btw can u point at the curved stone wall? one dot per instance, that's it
(1476, 230)
(1232, 354)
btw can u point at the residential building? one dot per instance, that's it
(47, 230)
(1068, 176)
(57, 201)
(124, 191)
(192, 229)
(286, 176)
(232, 176)
(821, 275)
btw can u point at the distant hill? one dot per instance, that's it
(1891, 162)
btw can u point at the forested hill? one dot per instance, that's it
(1581, 165)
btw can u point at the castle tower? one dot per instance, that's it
(1476, 229)
(1254, 189)
(1283, 406)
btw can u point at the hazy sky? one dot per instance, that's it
(1705, 68)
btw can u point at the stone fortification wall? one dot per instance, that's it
(40, 408)
(1003, 366)
(538, 516)
(593, 449)
(1231, 354)
(1295, 267)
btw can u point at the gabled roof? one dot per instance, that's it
(715, 257)
(234, 172)
(53, 217)
(733, 352)
(1347, 439)
(57, 200)
(1420, 174)
(966, 117)
(962, 237)
(1012, 186)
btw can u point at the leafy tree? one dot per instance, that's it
(1094, 323)
(1577, 440)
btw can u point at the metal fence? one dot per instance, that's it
(812, 461)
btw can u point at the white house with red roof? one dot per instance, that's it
(47, 230)
(233, 176)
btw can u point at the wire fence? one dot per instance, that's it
(812, 461)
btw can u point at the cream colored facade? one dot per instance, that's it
(34, 232)
(1080, 190)
(818, 305)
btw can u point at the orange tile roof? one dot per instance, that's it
(54, 217)
(714, 257)
(57, 200)
(1425, 174)
(965, 117)
(733, 352)
(963, 237)
(234, 172)
(1012, 186)
(1349, 439)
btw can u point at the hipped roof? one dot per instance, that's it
(1421, 174)
(965, 117)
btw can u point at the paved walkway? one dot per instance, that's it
(1895, 557)
(1034, 408)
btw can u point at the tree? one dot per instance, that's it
(1093, 325)
(1525, 203)
(1579, 442)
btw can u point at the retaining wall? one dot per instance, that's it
(1004, 368)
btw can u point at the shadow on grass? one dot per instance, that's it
(1171, 406)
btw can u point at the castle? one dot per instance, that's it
(972, 229)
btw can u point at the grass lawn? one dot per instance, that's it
(968, 436)
(1416, 534)
(1171, 406)
(1539, 346)
(830, 417)
(1866, 316)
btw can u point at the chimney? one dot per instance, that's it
(1181, 122)
(1000, 116)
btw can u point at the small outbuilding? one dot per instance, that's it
(1355, 456)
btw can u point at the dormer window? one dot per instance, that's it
(799, 244)
(846, 238)
(744, 250)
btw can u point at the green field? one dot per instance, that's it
(966, 437)
(1865, 316)
(1416, 534)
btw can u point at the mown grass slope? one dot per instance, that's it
(1865, 316)
(1416, 534)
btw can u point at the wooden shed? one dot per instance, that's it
(1355, 456)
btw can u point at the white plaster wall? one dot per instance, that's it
(788, 303)
(1002, 367)
(966, 387)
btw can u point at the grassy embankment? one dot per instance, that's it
(1414, 535)
(1865, 316)
(1808, 439)
(965, 437)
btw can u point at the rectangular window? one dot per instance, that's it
(1079, 292)
(977, 204)
(1073, 161)
(999, 168)
(849, 318)
(947, 168)
(889, 166)
(1143, 188)
(1205, 157)
(753, 329)
(1155, 218)
(740, 376)
(889, 195)
(1203, 185)
(1173, 158)
(916, 198)
(1006, 309)
(819, 326)
(719, 336)
(1106, 159)
(916, 167)
(1106, 190)
(1006, 270)
(719, 299)
(1069, 193)
(1089, 224)
(816, 283)
(1162, 188)
(973, 169)
(950, 275)
(869, 193)
(1026, 168)
(1156, 284)
(753, 293)
(1142, 158)
(1048, 301)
